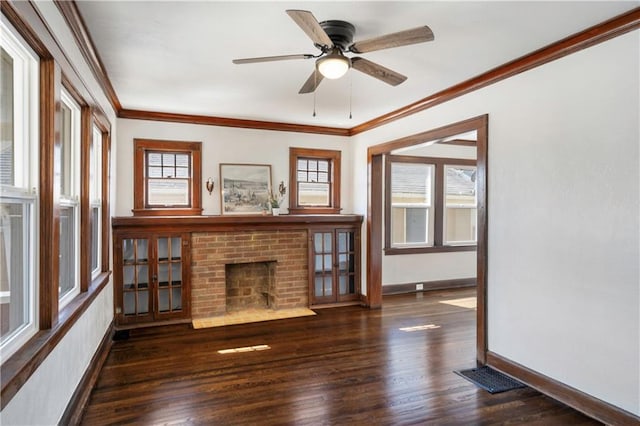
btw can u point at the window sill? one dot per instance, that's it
(314, 210)
(16, 370)
(389, 251)
(168, 212)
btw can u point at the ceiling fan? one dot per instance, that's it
(333, 38)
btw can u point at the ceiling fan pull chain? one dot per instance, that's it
(350, 95)
(315, 84)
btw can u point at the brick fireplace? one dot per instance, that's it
(215, 257)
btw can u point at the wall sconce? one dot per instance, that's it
(209, 185)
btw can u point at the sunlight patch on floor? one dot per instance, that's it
(465, 302)
(251, 315)
(419, 327)
(245, 349)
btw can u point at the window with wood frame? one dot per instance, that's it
(431, 204)
(314, 180)
(167, 177)
(19, 173)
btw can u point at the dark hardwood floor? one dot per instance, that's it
(345, 366)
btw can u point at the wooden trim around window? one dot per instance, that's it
(49, 235)
(194, 149)
(438, 207)
(86, 140)
(334, 157)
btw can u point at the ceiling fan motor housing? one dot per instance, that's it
(341, 33)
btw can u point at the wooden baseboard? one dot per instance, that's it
(587, 404)
(427, 286)
(73, 413)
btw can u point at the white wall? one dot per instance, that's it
(225, 145)
(563, 208)
(44, 397)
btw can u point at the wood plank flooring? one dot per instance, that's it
(345, 366)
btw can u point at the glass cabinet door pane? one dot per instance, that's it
(318, 281)
(129, 307)
(176, 273)
(163, 274)
(163, 249)
(129, 276)
(176, 299)
(343, 284)
(327, 262)
(163, 299)
(328, 285)
(327, 243)
(128, 251)
(143, 276)
(143, 302)
(317, 242)
(176, 248)
(142, 250)
(342, 242)
(342, 263)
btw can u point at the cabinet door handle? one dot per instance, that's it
(155, 278)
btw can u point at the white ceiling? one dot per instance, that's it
(175, 56)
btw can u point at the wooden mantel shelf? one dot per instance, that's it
(231, 223)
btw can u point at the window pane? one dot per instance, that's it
(312, 165)
(313, 194)
(302, 164)
(14, 267)
(95, 238)
(168, 172)
(182, 160)
(460, 201)
(66, 150)
(302, 176)
(67, 250)
(154, 159)
(6, 114)
(168, 160)
(409, 225)
(323, 166)
(411, 183)
(460, 186)
(416, 220)
(168, 192)
(182, 172)
(461, 225)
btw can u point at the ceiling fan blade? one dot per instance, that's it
(402, 38)
(312, 83)
(271, 58)
(378, 71)
(308, 23)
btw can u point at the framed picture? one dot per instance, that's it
(245, 188)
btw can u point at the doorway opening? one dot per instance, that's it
(380, 238)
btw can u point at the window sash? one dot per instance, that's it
(17, 271)
(168, 178)
(314, 182)
(18, 201)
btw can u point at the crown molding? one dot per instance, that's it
(596, 34)
(231, 122)
(71, 14)
(599, 33)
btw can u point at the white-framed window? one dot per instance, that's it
(95, 200)
(19, 88)
(460, 205)
(412, 201)
(69, 173)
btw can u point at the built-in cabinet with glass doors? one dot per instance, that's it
(334, 275)
(151, 278)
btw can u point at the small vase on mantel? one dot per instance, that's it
(275, 211)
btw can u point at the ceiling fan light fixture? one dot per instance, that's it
(334, 65)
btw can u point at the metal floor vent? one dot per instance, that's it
(489, 379)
